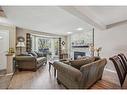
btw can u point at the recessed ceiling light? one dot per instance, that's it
(69, 32)
(1, 37)
(79, 29)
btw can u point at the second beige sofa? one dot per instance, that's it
(84, 77)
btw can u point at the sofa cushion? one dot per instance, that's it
(78, 63)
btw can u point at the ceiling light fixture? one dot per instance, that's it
(1, 37)
(69, 32)
(79, 29)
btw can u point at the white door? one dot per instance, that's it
(4, 45)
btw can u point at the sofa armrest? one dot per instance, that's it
(75, 74)
(94, 66)
(92, 71)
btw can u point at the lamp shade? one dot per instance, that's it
(20, 44)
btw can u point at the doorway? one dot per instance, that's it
(4, 45)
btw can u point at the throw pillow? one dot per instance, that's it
(31, 55)
(40, 54)
(34, 54)
(78, 63)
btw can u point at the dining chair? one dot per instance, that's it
(119, 68)
(124, 60)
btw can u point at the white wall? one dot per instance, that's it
(22, 32)
(112, 41)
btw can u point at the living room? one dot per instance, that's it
(45, 35)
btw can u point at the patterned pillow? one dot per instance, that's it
(39, 54)
(31, 55)
(34, 54)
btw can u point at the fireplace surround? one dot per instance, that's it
(79, 54)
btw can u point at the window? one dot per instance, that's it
(47, 45)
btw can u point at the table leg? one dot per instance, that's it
(54, 72)
(49, 66)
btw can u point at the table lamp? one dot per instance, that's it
(20, 45)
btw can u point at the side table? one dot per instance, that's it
(10, 65)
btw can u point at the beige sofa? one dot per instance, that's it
(84, 77)
(30, 62)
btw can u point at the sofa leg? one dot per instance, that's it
(58, 81)
(20, 69)
(100, 77)
(34, 70)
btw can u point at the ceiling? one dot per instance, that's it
(46, 19)
(61, 20)
(109, 15)
(105, 15)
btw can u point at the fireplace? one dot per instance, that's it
(77, 54)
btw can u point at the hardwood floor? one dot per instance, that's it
(4, 79)
(43, 79)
